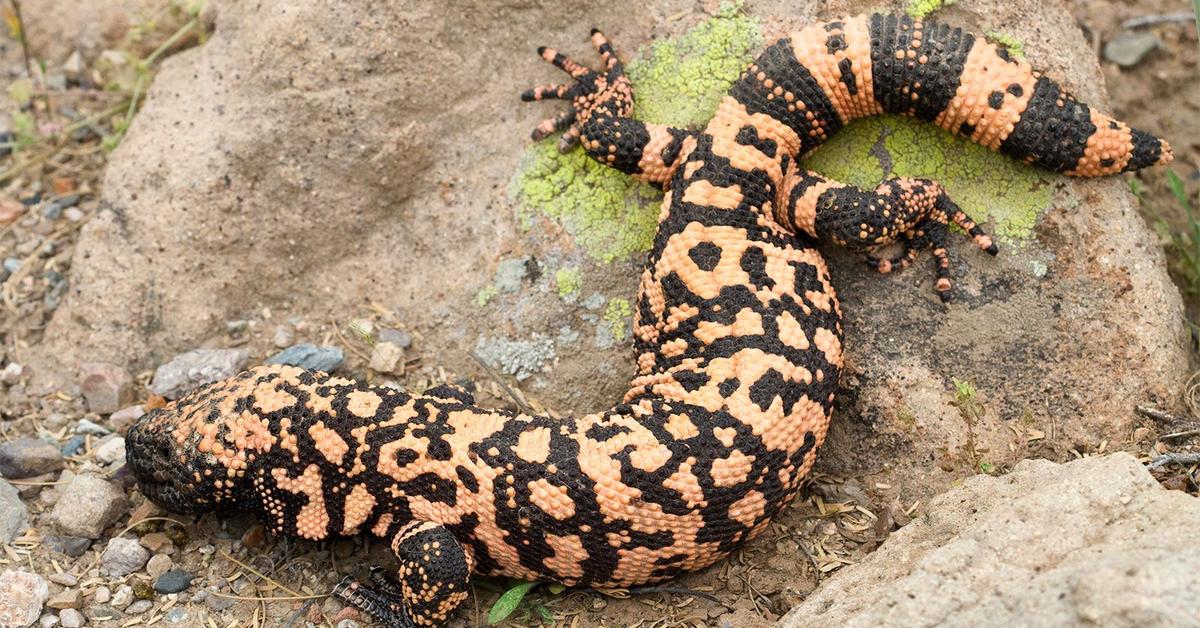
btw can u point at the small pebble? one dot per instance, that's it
(218, 602)
(73, 546)
(123, 419)
(123, 556)
(10, 209)
(123, 597)
(138, 607)
(173, 581)
(73, 445)
(87, 506)
(106, 387)
(284, 336)
(71, 618)
(158, 543)
(11, 373)
(12, 264)
(176, 615)
(1131, 47)
(102, 595)
(196, 368)
(74, 214)
(110, 450)
(310, 356)
(68, 598)
(48, 621)
(26, 457)
(386, 357)
(398, 337)
(88, 426)
(348, 623)
(158, 565)
(64, 579)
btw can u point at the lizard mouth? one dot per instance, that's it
(165, 494)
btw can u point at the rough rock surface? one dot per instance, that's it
(315, 156)
(88, 505)
(26, 457)
(21, 597)
(14, 517)
(1093, 542)
(196, 368)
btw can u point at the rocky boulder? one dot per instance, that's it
(313, 157)
(1093, 542)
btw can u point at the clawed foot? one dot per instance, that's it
(933, 232)
(382, 604)
(591, 93)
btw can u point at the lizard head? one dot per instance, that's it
(192, 455)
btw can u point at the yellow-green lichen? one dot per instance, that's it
(681, 80)
(485, 295)
(1014, 45)
(922, 8)
(569, 281)
(616, 314)
(677, 81)
(984, 183)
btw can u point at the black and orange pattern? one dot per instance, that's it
(738, 336)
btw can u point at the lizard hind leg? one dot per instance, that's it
(432, 581)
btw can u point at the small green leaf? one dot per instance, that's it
(547, 616)
(557, 587)
(508, 602)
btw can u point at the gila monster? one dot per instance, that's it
(738, 337)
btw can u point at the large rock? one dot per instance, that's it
(316, 156)
(1093, 542)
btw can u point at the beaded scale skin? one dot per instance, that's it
(738, 338)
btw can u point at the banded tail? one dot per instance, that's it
(833, 72)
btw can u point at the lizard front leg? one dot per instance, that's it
(601, 119)
(914, 213)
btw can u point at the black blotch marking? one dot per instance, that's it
(1051, 135)
(996, 100)
(767, 388)
(748, 136)
(601, 432)
(1107, 163)
(754, 262)
(967, 129)
(691, 380)
(467, 479)
(1016, 90)
(895, 80)
(1147, 150)
(706, 255)
(729, 386)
